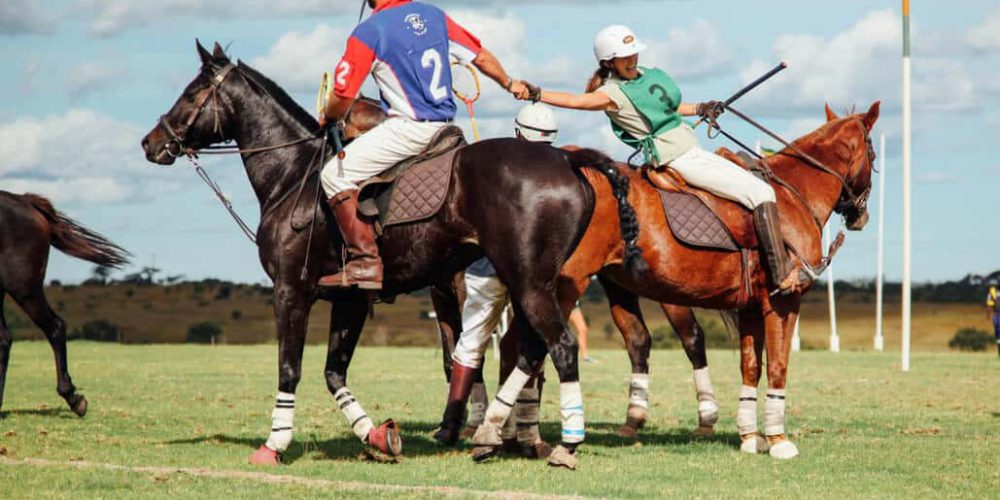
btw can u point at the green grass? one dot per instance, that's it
(864, 428)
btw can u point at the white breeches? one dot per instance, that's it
(485, 300)
(379, 149)
(722, 177)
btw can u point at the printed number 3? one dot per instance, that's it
(658, 89)
(432, 59)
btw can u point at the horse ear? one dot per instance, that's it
(218, 53)
(206, 57)
(872, 115)
(830, 115)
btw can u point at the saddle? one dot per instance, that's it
(410, 191)
(699, 218)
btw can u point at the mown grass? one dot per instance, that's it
(864, 428)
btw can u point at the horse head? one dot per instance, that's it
(856, 135)
(196, 118)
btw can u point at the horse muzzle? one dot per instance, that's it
(161, 152)
(858, 223)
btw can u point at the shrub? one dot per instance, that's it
(204, 333)
(236, 315)
(970, 339)
(100, 330)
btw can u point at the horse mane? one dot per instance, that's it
(284, 100)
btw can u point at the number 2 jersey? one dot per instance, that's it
(407, 48)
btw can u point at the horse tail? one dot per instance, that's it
(629, 223)
(76, 240)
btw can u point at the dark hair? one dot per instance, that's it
(602, 73)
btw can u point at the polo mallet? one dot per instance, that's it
(469, 101)
(324, 93)
(750, 86)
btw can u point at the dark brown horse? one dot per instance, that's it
(28, 227)
(835, 176)
(523, 205)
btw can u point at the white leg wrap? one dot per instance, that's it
(281, 422)
(571, 407)
(774, 412)
(477, 405)
(526, 415)
(500, 408)
(638, 394)
(708, 409)
(356, 417)
(509, 430)
(746, 415)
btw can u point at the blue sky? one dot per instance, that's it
(85, 79)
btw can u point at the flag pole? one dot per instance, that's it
(879, 338)
(906, 188)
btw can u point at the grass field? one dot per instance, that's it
(182, 420)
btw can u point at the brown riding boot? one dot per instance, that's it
(768, 225)
(364, 267)
(462, 378)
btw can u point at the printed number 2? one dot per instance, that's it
(342, 71)
(432, 59)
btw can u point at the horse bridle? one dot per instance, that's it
(848, 199)
(175, 145)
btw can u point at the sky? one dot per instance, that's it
(84, 80)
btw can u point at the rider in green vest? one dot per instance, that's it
(645, 108)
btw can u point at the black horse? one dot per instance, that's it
(523, 205)
(28, 227)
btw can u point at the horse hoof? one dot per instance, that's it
(446, 437)
(386, 439)
(628, 432)
(468, 432)
(80, 406)
(783, 450)
(265, 456)
(561, 457)
(483, 453)
(704, 431)
(487, 435)
(753, 444)
(539, 450)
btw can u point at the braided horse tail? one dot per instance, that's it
(76, 240)
(590, 158)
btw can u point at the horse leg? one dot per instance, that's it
(627, 315)
(548, 332)
(5, 342)
(780, 314)
(751, 326)
(692, 338)
(291, 310)
(37, 308)
(521, 434)
(347, 320)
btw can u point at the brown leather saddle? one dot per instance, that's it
(701, 219)
(411, 191)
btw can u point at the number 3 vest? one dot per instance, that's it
(656, 97)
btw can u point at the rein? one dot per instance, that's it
(175, 147)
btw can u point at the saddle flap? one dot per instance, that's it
(699, 218)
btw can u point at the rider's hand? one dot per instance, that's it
(710, 110)
(517, 89)
(322, 120)
(534, 92)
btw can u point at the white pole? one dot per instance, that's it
(831, 299)
(879, 339)
(796, 340)
(906, 187)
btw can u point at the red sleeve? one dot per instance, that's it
(461, 36)
(353, 68)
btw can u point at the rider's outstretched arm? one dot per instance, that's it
(491, 67)
(590, 101)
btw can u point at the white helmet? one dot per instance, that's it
(616, 41)
(537, 123)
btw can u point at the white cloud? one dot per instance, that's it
(985, 36)
(691, 54)
(86, 78)
(936, 178)
(857, 66)
(297, 59)
(79, 156)
(23, 17)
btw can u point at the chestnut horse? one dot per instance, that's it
(834, 176)
(523, 205)
(29, 225)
